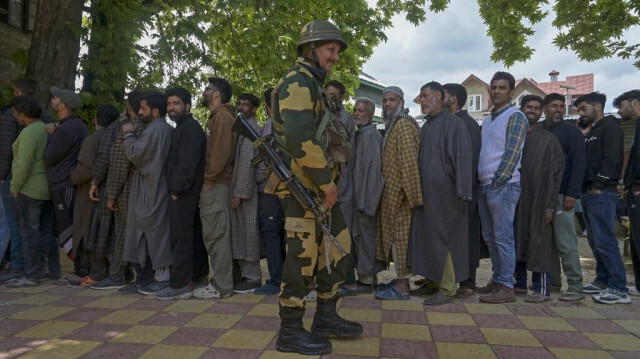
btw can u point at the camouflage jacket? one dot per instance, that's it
(298, 108)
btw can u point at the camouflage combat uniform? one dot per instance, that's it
(298, 108)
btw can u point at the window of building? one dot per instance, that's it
(474, 103)
(18, 13)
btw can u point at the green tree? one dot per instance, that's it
(593, 29)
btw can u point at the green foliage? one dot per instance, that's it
(594, 29)
(252, 43)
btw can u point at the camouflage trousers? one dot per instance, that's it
(305, 259)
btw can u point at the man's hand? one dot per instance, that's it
(569, 203)
(112, 204)
(93, 193)
(331, 196)
(51, 128)
(635, 193)
(235, 202)
(595, 191)
(128, 127)
(548, 216)
(14, 195)
(174, 197)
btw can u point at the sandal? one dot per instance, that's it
(21, 283)
(571, 295)
(392, 293)
(347, 292)
(537, 298)
(384, 286)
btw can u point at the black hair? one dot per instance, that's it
(502, 75)
(267, 96)
(338, 85)
(134, 98)
(528, 98)
(591, 98)
(223, 86)
(106, 114)
(27, 86)
(552, 97)
(253, 99)
(458, 91)
(27, 105)
(434, 86)
(156, 100)
(627, 96)
(181, 92)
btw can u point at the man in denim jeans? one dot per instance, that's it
(30, 191)
(503, 134)
(605, 146)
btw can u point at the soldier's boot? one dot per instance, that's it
(294, 338)
(327, 322)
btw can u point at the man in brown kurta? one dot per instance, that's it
(401, 193)
(438, 246)
(245, 233)
(541, 175)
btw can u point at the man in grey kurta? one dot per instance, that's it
(365, 181)
(541, 176)
(245, 230)
(147, 231)
(438, 244)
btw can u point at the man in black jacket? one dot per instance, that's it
(628, 105)
(455, 97)
(185, 173)
(575, 163)
(61, 157)
(600, 198)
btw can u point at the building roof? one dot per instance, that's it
(582, 83)
(372, 81)
(473, 77)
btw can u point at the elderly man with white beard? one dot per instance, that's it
(364, 179)
(402, 190)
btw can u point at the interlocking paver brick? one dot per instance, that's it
(464, 350)
(510, 337)
(61, 349)
(441, 333)
(400, 348)
(564, 339)
(565, 353)
(405, 331)
(163, 351)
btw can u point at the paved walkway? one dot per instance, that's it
(59, 322)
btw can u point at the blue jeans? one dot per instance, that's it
(35, 219)
(4, 234)
(497, 209)
(600, 213)
(17, 256)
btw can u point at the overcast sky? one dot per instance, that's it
(453, 44)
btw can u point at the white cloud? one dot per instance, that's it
(453, 44)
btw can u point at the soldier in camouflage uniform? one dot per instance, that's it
(299, 107)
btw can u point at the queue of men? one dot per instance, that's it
(191, 212)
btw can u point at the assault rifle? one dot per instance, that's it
(275, 164)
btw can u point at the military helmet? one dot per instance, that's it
(320, 30)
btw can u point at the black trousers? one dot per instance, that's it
(634, 218)
(272, 228)
(191, 262)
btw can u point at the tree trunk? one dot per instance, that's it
(55, 45)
